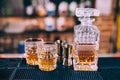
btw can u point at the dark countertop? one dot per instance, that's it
(17, 69)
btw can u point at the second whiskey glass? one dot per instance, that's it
(47, 56)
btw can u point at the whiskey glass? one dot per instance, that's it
(31, 50)
(47, 56)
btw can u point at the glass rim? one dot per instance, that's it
(49, 43)
(33, 40)
(58, 41)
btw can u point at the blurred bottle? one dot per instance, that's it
(17, 7)
(82, 4)
(34, 4)
(41, 11)
(72, 7)
(61, 24)
(118, 27)
(21, 47)
(40, 8)
(2, 7)
(15, 45)
(50, 8)
(8, 43)
(88, 4)
(8, 9)
(28, 8)
(50, 24)
(2, 44)
(63, 8)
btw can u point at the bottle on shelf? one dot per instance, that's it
(8, 9)
(2, 43)
(82, 4)
(88, 4)
(29, 10)
(15, 45)
(8, 43)
(63, 8)
(34, 4)
(72, 7)
(49, 24)
(61, 23)
(50, 8)
(40, 8)
(21, 47)
(41, 11)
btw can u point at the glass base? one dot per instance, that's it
(32, 62)
(47, 68)
(84, 66)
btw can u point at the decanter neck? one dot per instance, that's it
(86, 20)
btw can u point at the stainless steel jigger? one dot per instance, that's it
(67, 61)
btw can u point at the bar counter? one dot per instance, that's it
(17, 69)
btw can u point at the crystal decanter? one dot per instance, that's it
(86, 41)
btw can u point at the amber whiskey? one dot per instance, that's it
(31, 56)
(47, 61)
(86, 56)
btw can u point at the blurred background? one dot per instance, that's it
(53, 20)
